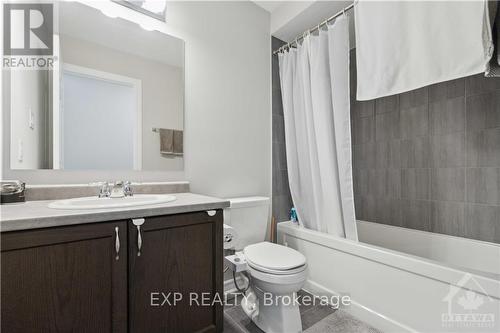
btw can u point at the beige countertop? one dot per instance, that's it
(37, 214)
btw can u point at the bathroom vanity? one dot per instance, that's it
(97, 271)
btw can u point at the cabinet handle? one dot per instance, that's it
(138, 223)
(117, 243)
(139, 241)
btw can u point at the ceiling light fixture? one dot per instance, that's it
(153, 8)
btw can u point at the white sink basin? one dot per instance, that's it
(101, 203)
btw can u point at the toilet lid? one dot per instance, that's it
(274, 256)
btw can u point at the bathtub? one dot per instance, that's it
(403, 280)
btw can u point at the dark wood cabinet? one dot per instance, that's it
(70, 279)
(179, 264)
(65, 279)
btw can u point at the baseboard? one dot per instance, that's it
(369, 316)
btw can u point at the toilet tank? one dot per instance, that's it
(249, 217)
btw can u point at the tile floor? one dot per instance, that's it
(236, 321)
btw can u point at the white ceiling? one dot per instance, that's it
(290, 19)
(310, 17)
(270, 6)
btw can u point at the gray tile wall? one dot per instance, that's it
(429, 159)
(282, 200)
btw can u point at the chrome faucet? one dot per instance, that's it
(121, 189)
(127, 188)
(117, 189)
(104, 190)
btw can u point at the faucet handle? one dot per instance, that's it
(127, 188)
(104, 190)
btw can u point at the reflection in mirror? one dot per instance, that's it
(153, 8)
(113, 101)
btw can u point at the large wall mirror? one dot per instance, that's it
(114, 101)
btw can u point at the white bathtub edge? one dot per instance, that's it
(399, 260)
(459, 252)
(361, 312)
(390, 290)
(416, 231)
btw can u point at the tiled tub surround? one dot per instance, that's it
(282, 200)
(429, 159)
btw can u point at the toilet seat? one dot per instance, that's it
(274, 259)
(275, 271)
(279, 279)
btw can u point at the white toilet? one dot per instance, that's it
(276, 272)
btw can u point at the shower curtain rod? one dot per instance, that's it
(296, 40)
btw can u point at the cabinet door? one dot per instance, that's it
(65, 279)
(182, 255)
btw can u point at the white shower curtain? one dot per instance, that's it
(315, 89)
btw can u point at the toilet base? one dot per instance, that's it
(274, 313)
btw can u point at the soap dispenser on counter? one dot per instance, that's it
(12, 191)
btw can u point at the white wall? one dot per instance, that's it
(228, 96)
(227, 105)
(28, 94)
